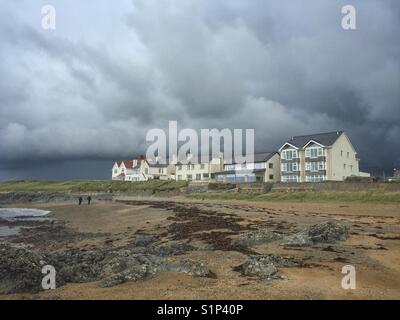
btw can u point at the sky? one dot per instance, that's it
(74, 99)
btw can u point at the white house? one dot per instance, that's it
(127, 170)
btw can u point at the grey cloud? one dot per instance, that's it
(281, 67)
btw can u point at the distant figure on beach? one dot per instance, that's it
(80, 200)
(89, 198)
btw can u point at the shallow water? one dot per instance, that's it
(19, 214)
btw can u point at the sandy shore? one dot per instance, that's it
(373, 248)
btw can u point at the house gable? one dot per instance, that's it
(288, 145)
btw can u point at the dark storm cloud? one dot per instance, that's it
(94, 86)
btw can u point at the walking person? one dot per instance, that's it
(89, 198)
(80, 199)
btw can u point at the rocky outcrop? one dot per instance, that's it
(20, 268)
(325, 232)
(265, 266)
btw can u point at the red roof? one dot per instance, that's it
(128, 163)
(121, 175)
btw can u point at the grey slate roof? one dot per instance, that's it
(326, 139)
(261, 157)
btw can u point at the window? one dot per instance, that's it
(202, 166)
(344, 166)
(189, 177)
(115, 171)
(271, 177)
(289, 154)
(289, 167)
(315, 178)
(146, 171)
(348, 154)
(314, 152)
(160, 170)
(192, 166)
(198, 176)
(205, 175)
(341, 153)
(351, 167)
(188, 167)
(179, 177)
(315, 166)
(179, 168)
(290, 179)
(271, 165)
(243, 166)
(229, 167)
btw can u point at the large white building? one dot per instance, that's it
(319, 157)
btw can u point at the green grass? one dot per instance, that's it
(377, 196)
(90, 186)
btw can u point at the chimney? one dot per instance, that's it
(174, 159)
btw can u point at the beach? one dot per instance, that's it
(176, 230)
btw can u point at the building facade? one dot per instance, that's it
(153, 169)
(263, 168)
(126, 170)
(319, 157)
(198, 171)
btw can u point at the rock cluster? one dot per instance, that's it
(265, 266)
(325, 232)
(20, 268)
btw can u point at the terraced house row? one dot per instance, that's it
(310, 158)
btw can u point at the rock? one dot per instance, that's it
(144, 239)
(77, 266)
(265, 266)
(325, 232)
(297, 240)
(256, 237)
(126, 266)
(173, 249)
(20, 270)
(190, 267)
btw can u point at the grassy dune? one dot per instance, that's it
(90, 186)
(154, 186)
(310, 196)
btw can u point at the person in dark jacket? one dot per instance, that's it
(80, 199)
(89, 198)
